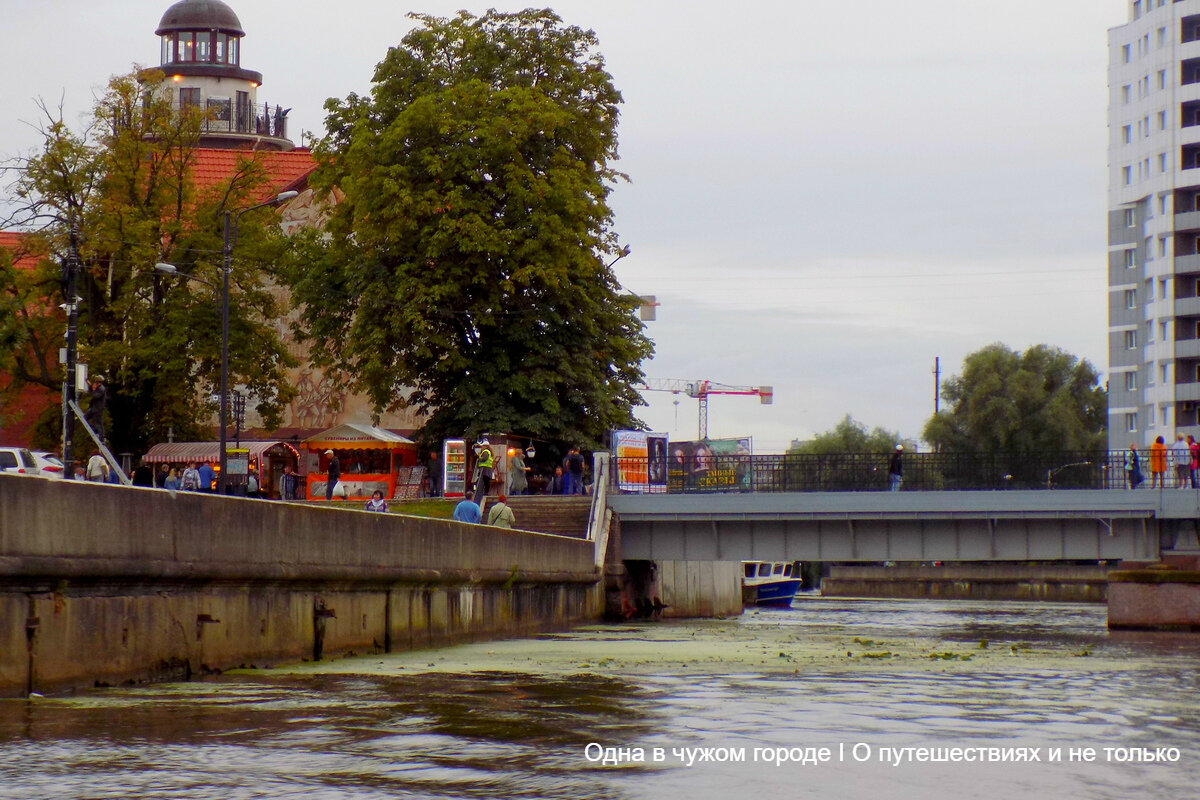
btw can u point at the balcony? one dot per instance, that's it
(1187, 221)
(1187, 307)
(1187, 348)
(1187, 264)
(1187, 392)
(260, 119)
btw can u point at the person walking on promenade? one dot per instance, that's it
(433, 471)
(1133, 471)
(1194, 446)
(468, 510)
(518, 482)
(896, 469)
(171, 482)
(500, 514)
(288, 482)
(1158, 463)
(208, 476)
(557, 482)
(97, 468)
(160, 477)
(190, 482)
(1181, 460)
(574, 464)
(377, 503)
(334, 474)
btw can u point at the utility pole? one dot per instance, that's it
(71, 268)
(937, 381)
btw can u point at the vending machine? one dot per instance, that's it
(454, 466)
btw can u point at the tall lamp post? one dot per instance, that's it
(230, 236)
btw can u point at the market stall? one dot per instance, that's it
(370, 458)
(266, 458)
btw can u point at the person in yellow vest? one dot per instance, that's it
(500, 514)
(484, 468)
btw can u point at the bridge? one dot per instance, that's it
(1020, 525)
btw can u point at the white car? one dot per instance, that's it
(18, 460)
(49, 465)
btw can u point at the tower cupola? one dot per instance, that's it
(201, 55)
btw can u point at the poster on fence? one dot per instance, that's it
(641, 460)
(709, 465)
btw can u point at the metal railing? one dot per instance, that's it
(865, 472)
(226, 118)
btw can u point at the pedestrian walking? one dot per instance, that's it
(1133, 471)
(467, 510)
(97, 468)
(333, 474)
(1181, 461)
(896, 469)
(190, 481)
(518, 482)
(1158, 463)
(574, 471)
(500, 515)
(208, 477)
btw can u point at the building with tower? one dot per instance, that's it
(1154, 223)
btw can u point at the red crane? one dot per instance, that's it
(702, 389)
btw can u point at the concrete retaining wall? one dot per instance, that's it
(700, 588)
(1063, 583)
(105, 584)
(1154, 599)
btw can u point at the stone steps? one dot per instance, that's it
(563, 516)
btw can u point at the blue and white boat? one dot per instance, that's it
(770, 583)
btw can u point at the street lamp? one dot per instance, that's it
(230, 236)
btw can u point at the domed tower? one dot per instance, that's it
(202, 59)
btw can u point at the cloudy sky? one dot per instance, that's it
(824, 196)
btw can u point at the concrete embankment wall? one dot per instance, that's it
(103, 584)
(1066, 583)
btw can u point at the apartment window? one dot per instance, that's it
(1131, 298)
(1162, 162)
(1127, 175)
(1131, 381)
(1162, 204)
(1162, 120)
(1164, 371)
(1130, 340)
(1145, 126)
(1129, 218)
(1149, 332)
(1149, 289)
(1162, 289)
(1162, 37)
(1131, 423)
(1126, 91)
(189, 97)
(1137, 8)
(1162, 246)
(1162, 330)
(1127, 134)
(1125, 53)
(1162, 79)
(1130, 259)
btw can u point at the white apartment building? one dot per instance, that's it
(1154, 223)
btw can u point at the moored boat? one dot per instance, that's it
(770, 583)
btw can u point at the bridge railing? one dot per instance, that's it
(860, 472)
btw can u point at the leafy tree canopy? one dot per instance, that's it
(849, 436)
(1041, 400)
(466, 270)
(123, 185)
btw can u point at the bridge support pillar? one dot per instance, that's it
(1160, 596)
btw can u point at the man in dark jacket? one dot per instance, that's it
(95, 412)
(896, 469)
(335, 474)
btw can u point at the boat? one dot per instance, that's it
(770, 583)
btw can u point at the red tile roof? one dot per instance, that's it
(15, 240)
(285, 170)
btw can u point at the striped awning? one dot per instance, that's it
(183, 452)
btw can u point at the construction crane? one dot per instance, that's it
(702, 389)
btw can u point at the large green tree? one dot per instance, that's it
(1041, 400)
(124, 185)
(849, 436)
(466, 268)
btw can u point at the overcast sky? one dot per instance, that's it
(824, 196)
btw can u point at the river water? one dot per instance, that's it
(515, 719)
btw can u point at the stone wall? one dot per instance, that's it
(1065, 583)
(107, 584)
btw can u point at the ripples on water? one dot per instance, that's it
(506, 735)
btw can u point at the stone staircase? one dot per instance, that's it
(564, 516)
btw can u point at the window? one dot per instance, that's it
(1127, 175)
(1162, 79)
(1162, 289)
(779, 569)
(1130, 259)
(1145, 126)
(1127, 133)
(189, 97)
(749, 570)
(1131, 298)
(1131, 381)
(1162, 246)
(1162, 120)
(1149, 332)
(1131, 423)
(1164, 372)
(168, 50)
(202, 42)
(1125, 53)
(233, 50)
(1162, 37)
(1149, 289)
(1162, 330)
(1130, 340)
(1129, 218)
(221, 39)
(764, 570)
(1162, 204)
(1126, 91)
(1162, 162)
(187, 46)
